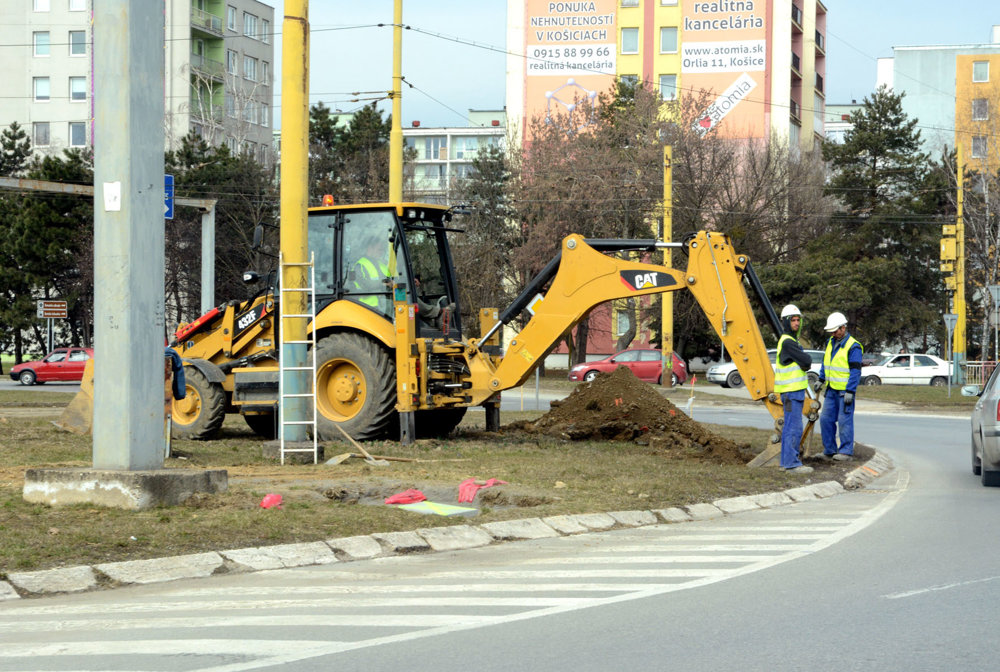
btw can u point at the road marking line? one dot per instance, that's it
(932, 589)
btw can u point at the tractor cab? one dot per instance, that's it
(363, 253)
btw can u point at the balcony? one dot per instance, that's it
(797, 17)
(205, 111)
(796, 64)
(209, 23)
(819, 82)
(212, 68)
(820, 41)
(793, 109)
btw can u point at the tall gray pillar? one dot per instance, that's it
(128, 235)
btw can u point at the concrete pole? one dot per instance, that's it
(667, 307)
(128, 235)
(294, 210)
(208, 260)
(396, 130)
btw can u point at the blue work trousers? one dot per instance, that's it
(791, 429)
(836, 415)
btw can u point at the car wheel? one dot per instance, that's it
(673, 380)
(734, 379)
(990, 478)
(27, 377)
(939, 381)
(589, 376)
(977, 465)
(872, 380)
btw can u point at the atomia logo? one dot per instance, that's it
(637, 280)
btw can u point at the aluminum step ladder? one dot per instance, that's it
(310, 342)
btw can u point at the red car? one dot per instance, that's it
(645, 363)
(60, 365)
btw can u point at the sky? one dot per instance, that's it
(454, 52)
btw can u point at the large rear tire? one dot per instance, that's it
(199, 415)
(355, 388)
(264, 425)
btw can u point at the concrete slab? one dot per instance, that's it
(704, 511)
(283, 555)
(595, 522)
(564, 524)
(196, 565)
(827, 489)
(134, 490)
(355, 548)
(736, 504)
(401, 542)
(526, 528)
(7, 592)
(252, 559)
(633, 518)
(455, 538)
(769, 500)
(62, 580)
(803, 493)
(673, 515)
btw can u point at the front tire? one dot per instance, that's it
(27, 377)
(939, 381)
(589, 376)
(199, 415)
(734, 379)
(872, 380)
(977, 466)
(990, 478)
(355, 388)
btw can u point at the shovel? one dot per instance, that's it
(368, 458)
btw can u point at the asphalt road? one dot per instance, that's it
(900, 576)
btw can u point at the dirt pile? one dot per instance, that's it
(618, 406)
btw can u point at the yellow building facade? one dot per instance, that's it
(762, 63)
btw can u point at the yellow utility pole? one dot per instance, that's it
(667, 306)
(294, 212)
(958, 347)
(396, 131)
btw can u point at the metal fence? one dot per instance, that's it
(976, 373)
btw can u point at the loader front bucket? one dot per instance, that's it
(78, 416)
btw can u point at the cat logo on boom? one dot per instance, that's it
(637, 280)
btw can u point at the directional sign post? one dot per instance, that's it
(168, 196)
(52, 310)
(950, 320)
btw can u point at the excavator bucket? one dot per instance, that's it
(78, 416)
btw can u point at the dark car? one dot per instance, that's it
(60, 365)
(645, 363)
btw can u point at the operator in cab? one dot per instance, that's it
(790, 381)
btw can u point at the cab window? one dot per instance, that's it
(56, 357)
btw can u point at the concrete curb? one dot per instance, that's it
(424, 540)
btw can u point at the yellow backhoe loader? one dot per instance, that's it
(391, 359)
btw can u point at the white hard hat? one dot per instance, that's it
(790, 310)
(835, 321)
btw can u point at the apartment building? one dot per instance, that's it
(444, 155)
(763, 62)
(217, 80)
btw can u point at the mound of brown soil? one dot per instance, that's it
(618, 406)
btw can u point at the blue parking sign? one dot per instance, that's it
(168, 196)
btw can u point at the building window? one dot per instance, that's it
(250, 25)
(466, 148)
(41, 5)
(77, 43)
(629, 80)
(630, 40)
(265, 114)
(980, 109)
(981, 71)
(77, 134)
(668, 40)
(77, 5)
(672, 3)
(265, 72)
(231, 18)
(77, 88)
(668, 87)
(250, 68)
(630, 3)
(40, 133)
(265, 30)
(979, 147)
(41, 42)
(232, 58)
(230, 106)
(436, 148)
(41, 87)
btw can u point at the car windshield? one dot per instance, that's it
(884, 360)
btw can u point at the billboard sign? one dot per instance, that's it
(724, 52)
(571, 50)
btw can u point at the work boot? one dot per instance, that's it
(801, 469)
(841, 457)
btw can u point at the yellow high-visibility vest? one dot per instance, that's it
(788, 377)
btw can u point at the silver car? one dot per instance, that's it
(986, 429)
(727, 375)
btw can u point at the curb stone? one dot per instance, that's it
(365, 547)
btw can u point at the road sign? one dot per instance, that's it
(168, 196)
(52, 309)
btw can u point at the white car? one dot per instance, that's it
(907, 369)
(728, 375)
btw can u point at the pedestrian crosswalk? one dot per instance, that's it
(277, 618)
